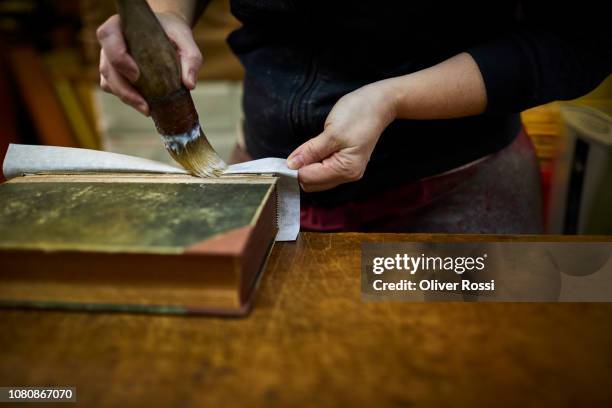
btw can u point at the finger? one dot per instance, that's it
(112, 42)
(104, 72)
(191, 62)
(313, 188)
(104, 85)
(332, 171)
(317, 177)
(189, 53)
(314, 150)
(113, 82)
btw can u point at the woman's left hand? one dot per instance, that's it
(352, 129)
(451, 89)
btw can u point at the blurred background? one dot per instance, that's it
(49, 81)
(49, 94)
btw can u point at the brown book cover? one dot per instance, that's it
(126, 242)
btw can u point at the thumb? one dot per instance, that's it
(312, 151)
(191, 61)
(189, 54)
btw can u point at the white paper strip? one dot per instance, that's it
(288, 192)
(29, 159)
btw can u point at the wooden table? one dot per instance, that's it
(311, 340)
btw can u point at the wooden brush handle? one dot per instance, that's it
(159, 82)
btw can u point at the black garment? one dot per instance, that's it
(301, 56)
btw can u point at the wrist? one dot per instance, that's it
(173, 15)
(389, 98)
(179, 9)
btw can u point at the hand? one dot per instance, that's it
(453, 88)
(352, 129)
(118, 71)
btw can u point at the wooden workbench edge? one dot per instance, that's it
(420, 237)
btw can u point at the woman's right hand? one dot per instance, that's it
(118, 71)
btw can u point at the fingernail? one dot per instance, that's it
(142, 108)
(193, 78)
(132, 75)
(295, 162)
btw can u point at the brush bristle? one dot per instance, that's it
(195, 154)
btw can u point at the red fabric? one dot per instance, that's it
(397, 203)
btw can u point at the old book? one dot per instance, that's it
(135, 242)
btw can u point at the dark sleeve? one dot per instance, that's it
(553, 53)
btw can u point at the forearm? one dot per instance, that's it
(454, 88)
(451, 89)
(186, 9)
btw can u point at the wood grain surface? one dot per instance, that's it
(311, 340)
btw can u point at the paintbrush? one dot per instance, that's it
(160, 84)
